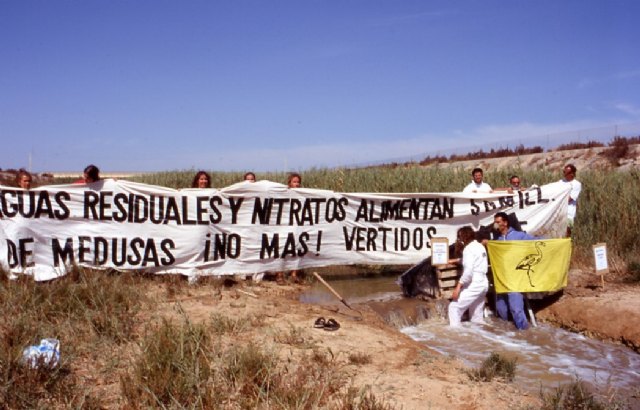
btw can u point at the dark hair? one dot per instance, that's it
(504, 217)
(477, 170)
(247, 174)
(21, 173)
(513, 176)
(92, 172)
(572, 168)
(466, 234)
(291, 176)
(194, 183)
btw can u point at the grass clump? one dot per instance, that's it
(295, 336)
(494, 366)
(173, 368)
(361, 399)
(577, 396)
(634, 272)
(84, 309)
(360, 358)
(221, 324)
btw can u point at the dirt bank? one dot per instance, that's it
(400, 370)
(612, 313)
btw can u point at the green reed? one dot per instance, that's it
(608, 208)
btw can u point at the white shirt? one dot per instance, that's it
(576, 187)
(474, 266)
(481, 187)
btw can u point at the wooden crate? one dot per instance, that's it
(448, 276)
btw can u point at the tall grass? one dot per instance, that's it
(181, 365)
(87, 311)
(577, 395)
(222, 362)
(607, 211)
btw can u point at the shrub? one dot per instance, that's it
(634, 272)
(579, 145)
(494, 366)
(359, 358)
(577, 396)
(618, 149)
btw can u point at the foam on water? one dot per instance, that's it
(546, 354)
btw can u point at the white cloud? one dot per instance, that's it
(629, 109)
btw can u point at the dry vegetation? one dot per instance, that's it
(120, 351)
(124, 346)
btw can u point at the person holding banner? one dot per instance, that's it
(514, 185)
(201, 180)
(90, 174)
(477, 185)
(569, 172)
(249, 177)
(294, 180)
(471, 289)
(24, 179)
(513, 301)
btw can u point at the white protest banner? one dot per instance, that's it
(244, 228)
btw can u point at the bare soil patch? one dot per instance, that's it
(401, 371)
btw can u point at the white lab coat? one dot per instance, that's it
(474, 285)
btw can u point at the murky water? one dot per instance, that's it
(546, 356)
(354, 290)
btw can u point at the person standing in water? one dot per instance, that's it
(471, 289)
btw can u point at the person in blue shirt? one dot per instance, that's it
(512, 302)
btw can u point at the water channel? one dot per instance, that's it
(547, 357)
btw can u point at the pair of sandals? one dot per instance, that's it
(329, 325)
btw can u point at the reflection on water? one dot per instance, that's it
(546, 356)
(353, 290)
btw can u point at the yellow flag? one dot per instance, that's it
(530, 266)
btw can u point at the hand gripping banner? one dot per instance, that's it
(244, 228)
(530, 266)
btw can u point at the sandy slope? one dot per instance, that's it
(402, 371)
(591, 159)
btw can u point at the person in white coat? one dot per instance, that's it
(569, 172)
(469, 293)
(477, 184)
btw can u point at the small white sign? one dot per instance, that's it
(439, 251)
(600, 255)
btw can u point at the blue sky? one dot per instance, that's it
(289, 85)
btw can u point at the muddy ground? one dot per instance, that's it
(609, 313)
(403, 372)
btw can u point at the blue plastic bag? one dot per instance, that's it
(47, 352)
